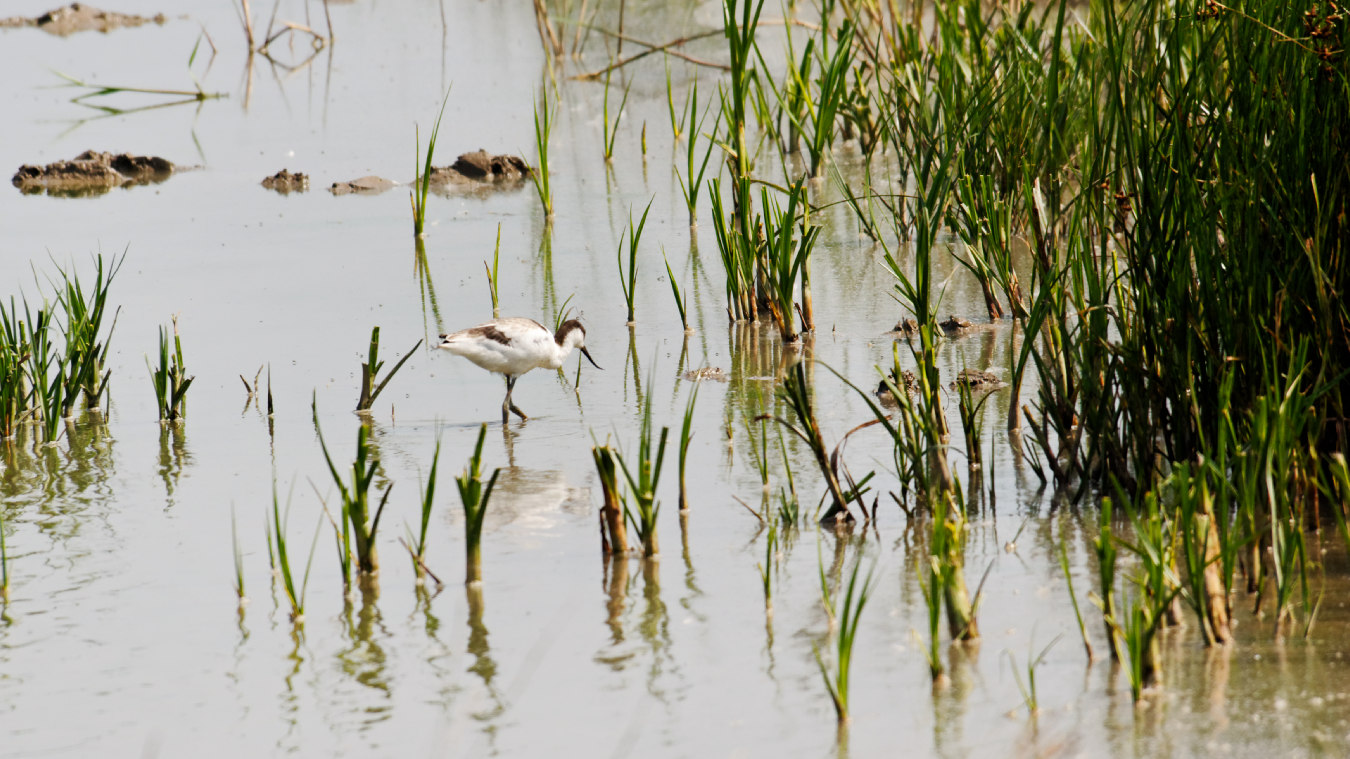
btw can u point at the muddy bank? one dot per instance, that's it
(77, 17)
(92, 173)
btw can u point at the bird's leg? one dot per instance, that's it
(507, 405)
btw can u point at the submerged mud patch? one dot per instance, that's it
(77, 17)
(92, 173)
(286, 182)
(367, 185)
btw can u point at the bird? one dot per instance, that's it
(515, 345)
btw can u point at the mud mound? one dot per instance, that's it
(80, 18)
(286, 183)
(92, 173)
(481, 167)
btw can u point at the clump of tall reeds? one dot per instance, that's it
(170, 378)
(86, 344)
(474, 495)
(42, 380)
(786, 261)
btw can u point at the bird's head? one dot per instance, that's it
(572, 335)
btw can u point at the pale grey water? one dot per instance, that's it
(121, 635)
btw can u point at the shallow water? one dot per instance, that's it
(121, 635)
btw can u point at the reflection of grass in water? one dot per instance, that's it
(4, 562)
(426, 288)
(173, 458)
(364, 660)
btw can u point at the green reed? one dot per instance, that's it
(766, 569)
(691, 181)
(759, 450)
(492, 272)
(677, 119)
(740, 18)
(1144, 613)
(474, 495)
(986, 228)
(543, 129)
(1058, 138)
(422, 183)
(847, 615)
(357, 519)
(277, 532)
(417, 544)
(628, 275)
(1073, 599)
(789, 508)
(930, 584)
(948, 528)
(686, 437)
(787, 261)
(738, 260)
(15, 391)
(611, 131)
(1027, 687)
(86, 347)
(1104, 546)
(371, 384)
(1201, 552)
(613, 533)
(822, 107)
(169, 378)
(642, 478)
(795, 392)
(677, 293)
(1340, 486)
(235, 550)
